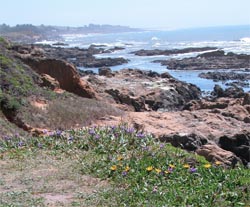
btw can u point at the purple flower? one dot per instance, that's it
(162, 146)
(45, 131)
(130, 130)
(140, 135)
(92, 132)
(7, 138)
(20, 144)
(170, 169)
(70, 139)
(193, 170)
(155, 189)
(39, 145)
(124, 173)
(58, 132)
(97, 136)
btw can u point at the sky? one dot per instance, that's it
(158, 14)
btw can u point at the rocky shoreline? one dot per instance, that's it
(172, 52)
(208, 61)
(171, 110)
(78, 56)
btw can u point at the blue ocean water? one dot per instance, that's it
(230, 39)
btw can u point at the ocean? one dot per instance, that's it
(229, 38)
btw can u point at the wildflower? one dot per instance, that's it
(97, 136)
(162, 146)
(140, 135)
(158, 170)
(70, 139)
(193, 170)
(170, 169)
(92, 132)
(149, 168)
(58, 132)
(20, 144)
(127, 168)
(119, 158)
(208, 165)
(39, 145)
(171, 166)
(155, 189)
(130, 130)
(113, 168)
(7, 138)
(166, 172)
(187, 166)
(124, 173)
(45, 131)
(218, 163)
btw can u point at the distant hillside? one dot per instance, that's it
(29, 33)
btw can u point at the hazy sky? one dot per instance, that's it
(134, 13)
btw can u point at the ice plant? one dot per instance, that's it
(158, 170)
(171, 166)
(208, 165)
(119, 158)
(113, 168)
(149, 168)
(187, 166)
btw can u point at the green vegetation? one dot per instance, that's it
(138, 170)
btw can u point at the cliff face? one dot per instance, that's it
(64, 73)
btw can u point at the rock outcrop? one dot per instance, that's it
(138, 90)
(203, 122)
(238, 144)
(172, 52)
(65, 73)
(210, 60)
(213, 153)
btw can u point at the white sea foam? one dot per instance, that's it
(46, 42)
(245, 39)
(154, 38)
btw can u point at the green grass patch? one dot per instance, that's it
(140, 170)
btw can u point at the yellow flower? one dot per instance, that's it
(208, 165)
(127, 168)
(172, 166)
(113, 168)
(150, 168)
(218, 163)
(119, 158)
(166, 172)
(157, 170)
(187, 166)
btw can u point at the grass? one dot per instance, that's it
(136, 169)
(66, 111)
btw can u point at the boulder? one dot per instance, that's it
(231, 92)
(213, 153)
(246, 100)
(105, 71)
(238, 144)
(190, 142)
